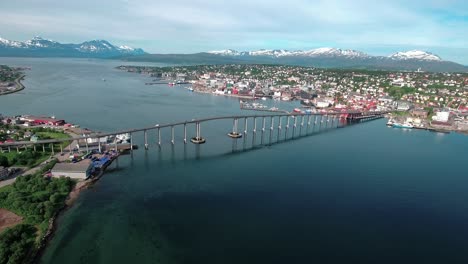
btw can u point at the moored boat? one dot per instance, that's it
(404, 125)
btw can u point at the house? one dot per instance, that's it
(79, 170)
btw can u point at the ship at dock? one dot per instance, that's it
(402, 125)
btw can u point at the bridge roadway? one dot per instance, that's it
(349, 115)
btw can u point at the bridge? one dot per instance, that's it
(259, 124)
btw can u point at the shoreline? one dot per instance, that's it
(19, 86)
(73, 195)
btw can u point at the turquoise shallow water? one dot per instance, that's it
(360, 194)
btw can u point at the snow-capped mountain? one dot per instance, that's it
(38, 46)
(228, 52)
(320, 52)
(330, 53)
(416, 55)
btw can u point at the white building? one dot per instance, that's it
(441, 116)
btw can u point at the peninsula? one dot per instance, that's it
(10, 79)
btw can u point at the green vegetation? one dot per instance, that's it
(27, 158)
(36, 199)
(8, 74)
(398, 92)
(16, 243)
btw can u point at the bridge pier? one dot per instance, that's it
(302, 125)
(145, 133)
(254, 132)
(172, 135)
(294, 127)
(234, 134)
(185, 133)
(263, 129)
(279, 129)
(159, 137)
(52, 146)
(287, 128)
(61, 148)
(198, 139)
(245, 127)
(34, 147)
(308, 124)
(131, 142)
(99, 145)
(271, 128)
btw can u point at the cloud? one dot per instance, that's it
(199, 25)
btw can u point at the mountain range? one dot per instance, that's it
(320, 57)
(39, 47)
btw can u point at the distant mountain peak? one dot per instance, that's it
(415, 54)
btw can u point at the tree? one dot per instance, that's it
(4, 161)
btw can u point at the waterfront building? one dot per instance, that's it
(40, 120)
(79, 170)
(442, 116)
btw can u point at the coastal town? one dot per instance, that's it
(422, 100)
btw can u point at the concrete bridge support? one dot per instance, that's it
(234, 134)
(172, 135)
(271, 128)
(263, 130)
(185, 133)
(198, 138)
(145, 133)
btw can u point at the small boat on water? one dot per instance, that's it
(404, 125)
(264, 98)
(390, 122)
(297, 110)
(190, 89)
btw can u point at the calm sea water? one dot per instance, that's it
(360, 194)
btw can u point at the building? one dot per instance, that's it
(403, 105)
(441, 116)
(79, 170)
(40, 120)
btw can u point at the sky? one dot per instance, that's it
(189, 26)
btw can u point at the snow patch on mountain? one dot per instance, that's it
(227, 52)
(415, 54)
